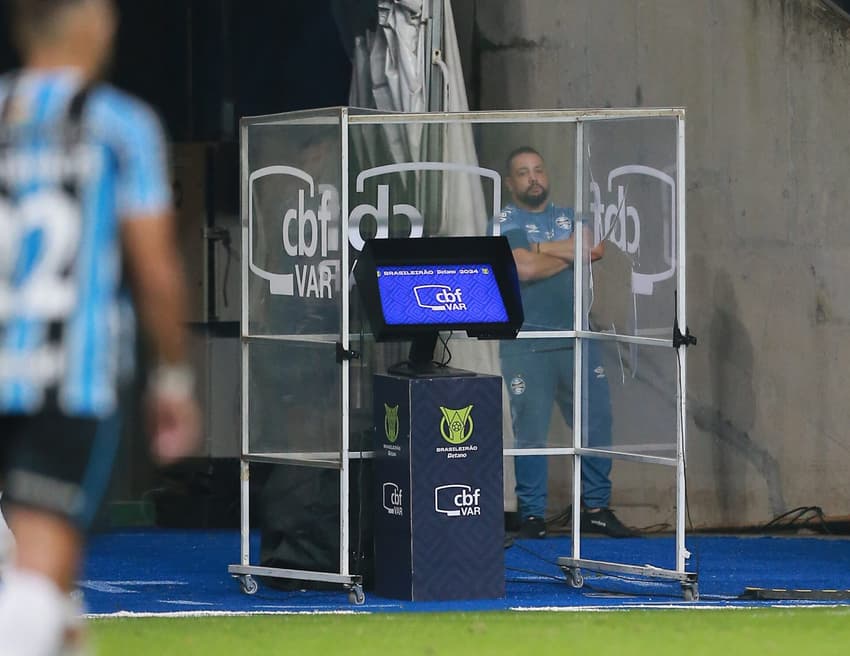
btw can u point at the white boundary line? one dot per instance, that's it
(685, 606)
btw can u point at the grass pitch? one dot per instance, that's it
(654, 632)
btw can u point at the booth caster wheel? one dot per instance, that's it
(575, 578)
(356, 595)
(690, 592)
(248, 584)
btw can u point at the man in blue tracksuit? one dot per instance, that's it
(539, 372)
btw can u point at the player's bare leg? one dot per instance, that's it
(34, 601)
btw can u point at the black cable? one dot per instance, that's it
(798, 520)
(444, 362)
(536, 555)
(229, 252)
(542, 575)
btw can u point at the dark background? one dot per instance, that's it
(204, 63)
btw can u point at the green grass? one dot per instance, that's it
(684, 632)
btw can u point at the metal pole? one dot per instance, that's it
(679, 219)
(244, 471)
(578, 323)
(434, 43)
(344, 520)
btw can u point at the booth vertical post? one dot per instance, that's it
(439, 523)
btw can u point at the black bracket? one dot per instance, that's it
(342, 355)
(683, 340)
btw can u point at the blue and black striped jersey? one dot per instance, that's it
(75, 161)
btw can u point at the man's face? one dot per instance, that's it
(528, 180)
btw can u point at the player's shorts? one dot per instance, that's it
(57, 464)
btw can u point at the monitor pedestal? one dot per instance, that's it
(420, 361)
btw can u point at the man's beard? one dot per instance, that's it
(534, 199)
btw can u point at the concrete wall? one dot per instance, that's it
(766, 84)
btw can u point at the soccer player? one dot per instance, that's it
(84, 195)
(539, 372)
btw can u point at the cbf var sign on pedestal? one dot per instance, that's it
(439, 524)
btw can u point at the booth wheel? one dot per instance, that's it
(690, 592)
(574, 577)
(356, 595)
(248, 584)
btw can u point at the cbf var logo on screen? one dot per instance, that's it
(439, 298)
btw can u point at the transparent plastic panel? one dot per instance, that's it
(450, 179)
(630, 187)
(629, 403)
(291, 201)
(294, 399)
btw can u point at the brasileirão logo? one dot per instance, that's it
(391, 422)
(456, 426)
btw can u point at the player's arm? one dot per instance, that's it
(156, 275)
(160, 295)
(158, 286)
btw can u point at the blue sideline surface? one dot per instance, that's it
(185, 572)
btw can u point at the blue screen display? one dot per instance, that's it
(444, 294)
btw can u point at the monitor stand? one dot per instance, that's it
(420, 361)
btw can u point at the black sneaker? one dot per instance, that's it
(604, 521)
(533, 528)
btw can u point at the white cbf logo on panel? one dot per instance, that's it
(621, 221)
(309, 230)
(457, 500)
(401, 214)
(393, 499)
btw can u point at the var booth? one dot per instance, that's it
(322, 390)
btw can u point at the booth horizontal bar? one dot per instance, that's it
(297, 574)
(546, 116)
(632, 456)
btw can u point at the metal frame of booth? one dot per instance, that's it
(341, 459)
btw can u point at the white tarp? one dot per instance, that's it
(389, 75)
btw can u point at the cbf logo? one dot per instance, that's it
(391, 422)
(393, 500)
(309, 234)
(620, 222)
(457, 500)
(456, 425)
(439, 298)
(384, 212)
(309, 226)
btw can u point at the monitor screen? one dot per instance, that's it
(440, 294)
(415, 287)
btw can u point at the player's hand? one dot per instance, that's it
(175, 427)
(175, 421)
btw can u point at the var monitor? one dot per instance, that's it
(414, 288)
